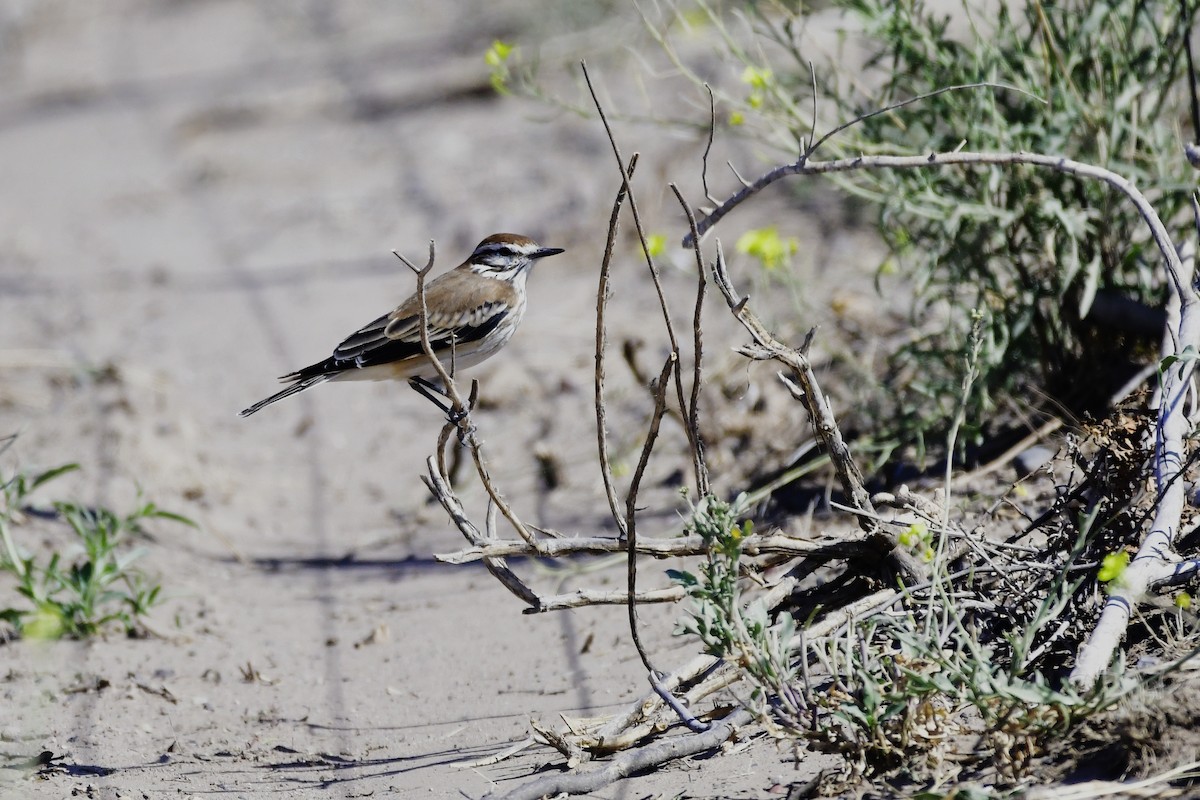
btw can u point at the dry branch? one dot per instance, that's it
(1156, 564)
(824, 424)
(629, 763)
(691, 545)
(805, 167)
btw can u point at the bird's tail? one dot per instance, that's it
(298, 386)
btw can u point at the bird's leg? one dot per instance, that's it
(431, 392)
(437, 395)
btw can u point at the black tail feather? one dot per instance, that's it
(299, 386)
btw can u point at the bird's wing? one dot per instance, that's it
(453, 318)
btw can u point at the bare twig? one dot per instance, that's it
(602, 294)
(693, 410)
(660, 407)
(712, 129)
(599, 597)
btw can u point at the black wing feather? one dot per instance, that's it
(368, 347)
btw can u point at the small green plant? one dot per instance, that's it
(732, 628)
(901, 685)
(88, 586)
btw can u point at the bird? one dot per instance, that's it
(471, 311)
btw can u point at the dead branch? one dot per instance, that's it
(805, 167)
(824, 424)
(692, 545)
(630, 762)
(1156, 563)
(601, 597)
(603, 292)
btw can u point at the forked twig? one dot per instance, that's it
(439, 487)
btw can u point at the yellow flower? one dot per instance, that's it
(498, 53)
(766, 245)
(497, 57)
(1112, 566)
(758, 79)
(656, 244)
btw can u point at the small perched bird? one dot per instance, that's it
(472, 311)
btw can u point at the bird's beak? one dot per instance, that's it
(546, 251)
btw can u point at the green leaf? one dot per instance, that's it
(47, 622)
(682, 578)
(51, 474)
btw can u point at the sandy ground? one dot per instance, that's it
(199, 196)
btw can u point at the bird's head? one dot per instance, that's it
(504, 255)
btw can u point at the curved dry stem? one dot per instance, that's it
(1059, 163)
(602, 295)
(660, 408)
(693, 409)
(1156, 561)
